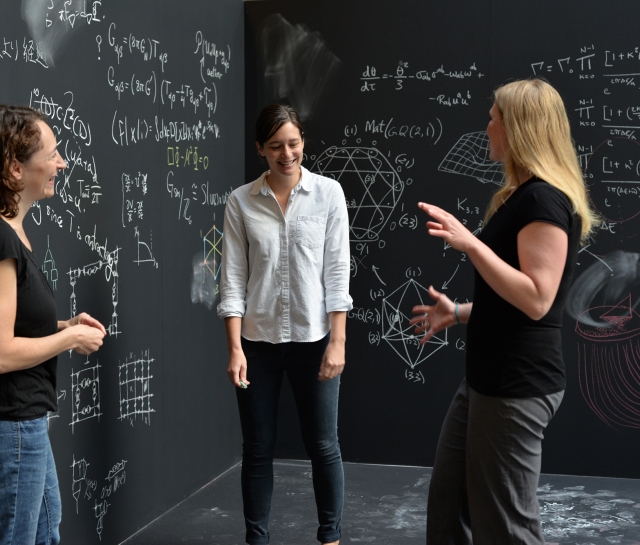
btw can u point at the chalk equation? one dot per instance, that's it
(372, 78)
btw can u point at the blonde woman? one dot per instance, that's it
(487, 465)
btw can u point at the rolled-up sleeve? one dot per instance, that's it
(235, 265)
(337, 259)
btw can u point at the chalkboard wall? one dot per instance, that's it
(145, 99)
(396, 98)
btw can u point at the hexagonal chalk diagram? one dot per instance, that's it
(396, 314)
(371, 186)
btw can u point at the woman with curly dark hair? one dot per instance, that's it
(31, 336)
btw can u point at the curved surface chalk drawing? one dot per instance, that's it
(602, 301)
(470, 157)
(371, 186)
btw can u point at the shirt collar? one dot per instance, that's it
(261, 185)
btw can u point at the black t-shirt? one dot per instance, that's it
(29, 393)
(508, 353)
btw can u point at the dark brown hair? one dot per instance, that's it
(272, 118)
(20, 138)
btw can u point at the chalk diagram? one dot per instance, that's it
(100, 510)
(85, 388)
(145, 254)
(49, 267)
(470, 157)
(115, 479)
(602, 301)
(396, 329)
(134, 377)
(206, 269)
(79, 476)
(371, 186)
(110, 265)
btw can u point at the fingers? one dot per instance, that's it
(434, 211)
(421, 317)
(237, 372)
(89, 339)
(242, 378)
(434, 294)
(85, 319)
(329, 371)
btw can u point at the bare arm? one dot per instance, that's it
(18, 353)
(542, 252)
(237, 366)
(334, 358)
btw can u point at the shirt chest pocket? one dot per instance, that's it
(310, 231)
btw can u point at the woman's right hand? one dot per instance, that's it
(434, 318)
(237, 368)
(87, 338)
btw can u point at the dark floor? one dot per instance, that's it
(386, 505)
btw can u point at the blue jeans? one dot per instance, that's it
(30, 508)
(317, 404)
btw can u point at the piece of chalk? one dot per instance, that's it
(244, 386)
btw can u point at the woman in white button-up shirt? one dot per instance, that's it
(284, 298)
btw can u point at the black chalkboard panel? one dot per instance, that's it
(591, 55)
(407, 82)
(145, 99)
(399, 117)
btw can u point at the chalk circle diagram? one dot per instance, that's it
(396, 330)
(613, 176)
(603, 301)
(206, 269)
(469, 156)
(371, 186)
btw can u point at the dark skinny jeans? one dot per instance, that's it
(317, 405)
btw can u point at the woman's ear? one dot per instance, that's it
(259, 148)
(16, 170)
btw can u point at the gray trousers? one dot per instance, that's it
(486, 471)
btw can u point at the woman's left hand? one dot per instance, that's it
(332, 361)
(448, 228)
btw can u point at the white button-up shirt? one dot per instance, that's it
(283, 274)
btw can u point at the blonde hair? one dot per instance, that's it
(537, 128)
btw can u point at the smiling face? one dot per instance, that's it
(498, 142)
(283, 151)
(39, 172)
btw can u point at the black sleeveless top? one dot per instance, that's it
(29, 393)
